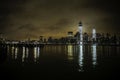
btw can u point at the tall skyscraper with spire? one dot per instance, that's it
(81, 33)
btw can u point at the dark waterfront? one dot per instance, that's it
(60, 62)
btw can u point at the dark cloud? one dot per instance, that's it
(59, 25)
(56, 17)
(28, 27)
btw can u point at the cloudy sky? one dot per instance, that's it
(22, 18)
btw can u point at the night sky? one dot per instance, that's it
(22, 18)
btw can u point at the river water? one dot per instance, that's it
(60, 62)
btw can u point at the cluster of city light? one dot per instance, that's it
(25, 52)
(36, 50)
(80, 41)
(80, 29)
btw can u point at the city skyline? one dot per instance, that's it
(22, 18)
(79, 32)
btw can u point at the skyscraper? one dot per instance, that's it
(80, 32)
(94, 34)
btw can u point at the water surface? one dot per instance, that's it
(60, 62)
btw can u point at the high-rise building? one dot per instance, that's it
(41, 39)
(81, 33)
(94, 34)
(70, 34)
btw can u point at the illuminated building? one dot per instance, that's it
(41, 39)
(94, 34)
(80, 32)
(70, 34)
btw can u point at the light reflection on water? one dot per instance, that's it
(81, 57)
(36, 53)
(94, 55)
(27, 52)
(23, 54)
(16, 52)
(75, 53)
(70, 52)
(13, 52)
